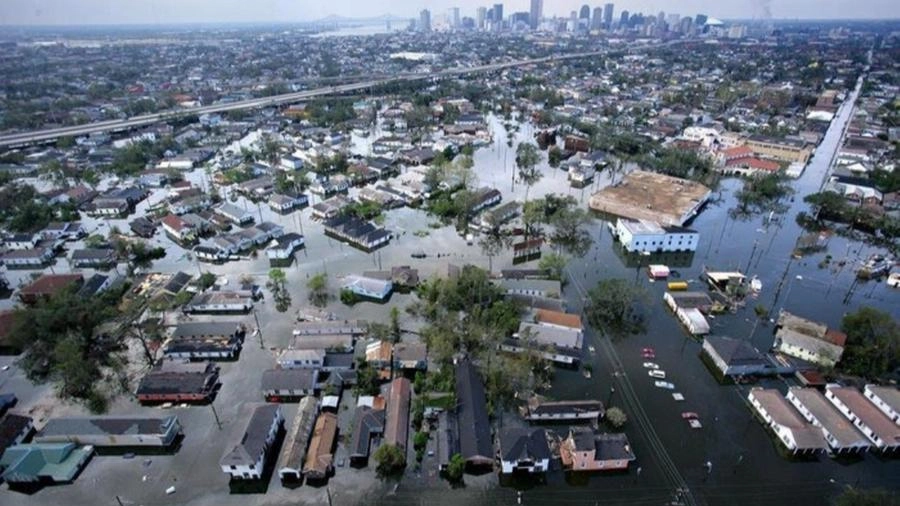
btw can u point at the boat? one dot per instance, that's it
(894, 280)
(656, 373)
(755, 285)
(875, 267)
(651, 365)
(664, 384)
(695, 424)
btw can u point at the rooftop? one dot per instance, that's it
(650, 196)
(254, 439)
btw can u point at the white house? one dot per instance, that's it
(23, 258)
(885, 398)
(524, 450)
(816, 409)
(301, 359)
(282, 385)
(372, 288)
(235, 214)
(797, 435)
(808, 340)
(178, 229)
(865, 416)
(246, 459)
(648, 236)
(285, 246)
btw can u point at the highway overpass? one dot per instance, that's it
(41, 136)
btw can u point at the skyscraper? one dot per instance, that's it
(597, 19)
(480, 15)
(608, 14)
(585, 12)
(700, 20)
(537, 8)
(454, 17)
(425, 20)
(623, 19)
(498, 13)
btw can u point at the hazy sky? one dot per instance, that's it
(188, 11)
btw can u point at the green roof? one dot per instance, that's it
(59, 462)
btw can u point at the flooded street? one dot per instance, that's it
(745, 461)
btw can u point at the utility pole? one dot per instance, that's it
(258, 330)
(215, 415)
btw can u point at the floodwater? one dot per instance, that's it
(746, 466)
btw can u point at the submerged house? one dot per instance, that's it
(247, 458)
(524, 450)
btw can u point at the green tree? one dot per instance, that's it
(873, 343)
(554, 157)
(277, 285)
(318, 289)
(555, 263)
(613, 305)
(206, 280)
(456, 468)
(527, 159)
(390, 459)
(395, 324)
(616, 417)
(492, 243)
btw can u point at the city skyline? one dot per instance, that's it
(87, 12)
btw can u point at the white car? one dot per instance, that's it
(656, 373)
(650, 365)
(664, 384)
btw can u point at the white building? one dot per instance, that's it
(524, 450)
(246, 459)
(378, 289)
(797, 435)
(301, 359)
(650, 237)
(816, 409)
(865, 416)
(885, 398)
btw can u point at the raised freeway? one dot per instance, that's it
(26, 138)
(21, 139)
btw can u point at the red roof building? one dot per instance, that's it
(48, 285)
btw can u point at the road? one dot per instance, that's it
(22, 139)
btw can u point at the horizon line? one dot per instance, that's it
(379, 18)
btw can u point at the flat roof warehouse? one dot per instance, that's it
(642, 195)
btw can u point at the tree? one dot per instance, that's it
(456, 468)
(206, 280)
(318, 289)
(395, 324)
(527, 158)
(555, 263)
(277, 285)
(492, 243)
(873, 343)
(554, 157)
(616, 417)
(612, 305)
(390, 459)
